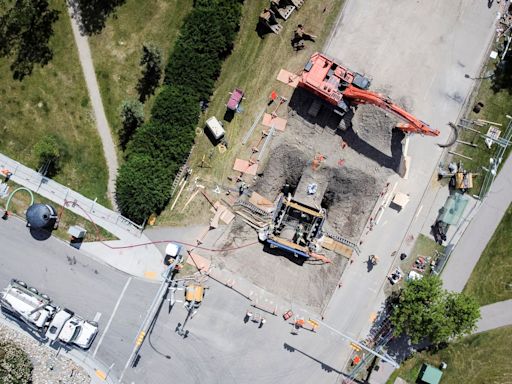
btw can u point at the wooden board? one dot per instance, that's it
(245, 167)
(262, 203)
(278, 122)
(198, 261)
(288, 78)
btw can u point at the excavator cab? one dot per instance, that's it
(360, 81)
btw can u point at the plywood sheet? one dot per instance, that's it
(288, 78)
(278, 122)
(245, 167)
(198, 261)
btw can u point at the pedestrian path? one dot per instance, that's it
(84, 54)
(495, 316)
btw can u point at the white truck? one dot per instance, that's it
(37, 310)
(26, 303)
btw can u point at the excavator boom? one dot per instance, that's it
(335, 84)
(413, 125)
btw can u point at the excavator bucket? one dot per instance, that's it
(453, 138)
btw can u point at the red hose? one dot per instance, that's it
(98, 237)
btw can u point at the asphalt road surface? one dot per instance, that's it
(220, 347)
(85, 286)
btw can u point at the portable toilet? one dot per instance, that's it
(215, 129)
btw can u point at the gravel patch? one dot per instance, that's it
(48, 368)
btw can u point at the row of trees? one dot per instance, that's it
(160, 146)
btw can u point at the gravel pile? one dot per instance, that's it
(48, 368)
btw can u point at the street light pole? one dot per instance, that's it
(148, 321)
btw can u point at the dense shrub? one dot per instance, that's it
(159, 148)
(15, 365)
(142, 186)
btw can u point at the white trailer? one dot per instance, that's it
(26, 303)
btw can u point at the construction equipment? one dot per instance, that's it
(338, 85)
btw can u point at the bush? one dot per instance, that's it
(15, 365)
(132, 117)
(49, 151)
(142, 186)
(159, 148)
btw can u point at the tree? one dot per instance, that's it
(49, 151)
(92, 14)
(15, 365)
(143, 186)
(424, 310)
(151, 62)
(132, 117)
(26, 27)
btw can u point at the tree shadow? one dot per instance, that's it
(26, 32)
(92, 14)
(502, 78)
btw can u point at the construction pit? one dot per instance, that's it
(349, 160)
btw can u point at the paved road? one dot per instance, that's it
(495, 315)
(221, 348)
(420, 55)
(109, 149)
(479, 232)
(81, 284)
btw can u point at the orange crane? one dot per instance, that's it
(335, 84)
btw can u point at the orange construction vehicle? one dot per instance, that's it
(335, 84)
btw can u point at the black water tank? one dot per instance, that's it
(41, 215)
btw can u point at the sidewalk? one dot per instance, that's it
(479, 231)
(495, 315)
(84, 54)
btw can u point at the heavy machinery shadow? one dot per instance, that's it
(301, 104)
(359, 145)
(286, 254)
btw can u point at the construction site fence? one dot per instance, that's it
(58, 193)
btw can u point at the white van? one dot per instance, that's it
(57, 323)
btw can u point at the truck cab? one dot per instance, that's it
(56, 325)
(79, 332)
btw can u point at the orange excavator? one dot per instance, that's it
(335, 84)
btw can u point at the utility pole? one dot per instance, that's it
(150, 316)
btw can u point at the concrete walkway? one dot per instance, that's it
(479, 231)
(109, 149)
(495, 315)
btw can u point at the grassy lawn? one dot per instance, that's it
(424, 246)
(54, 100)
(496, 107)
(21, 201)
(117, 49)
(253, 66)
(482, 358)
(491, 280)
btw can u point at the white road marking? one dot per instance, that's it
(97, 317)
(419, 211)
(112, 316)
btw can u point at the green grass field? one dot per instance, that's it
(424, 246)
(491, 280)
(253, 66)
(117, 49)
(54, 100)
(477, 359)
(21, 201)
